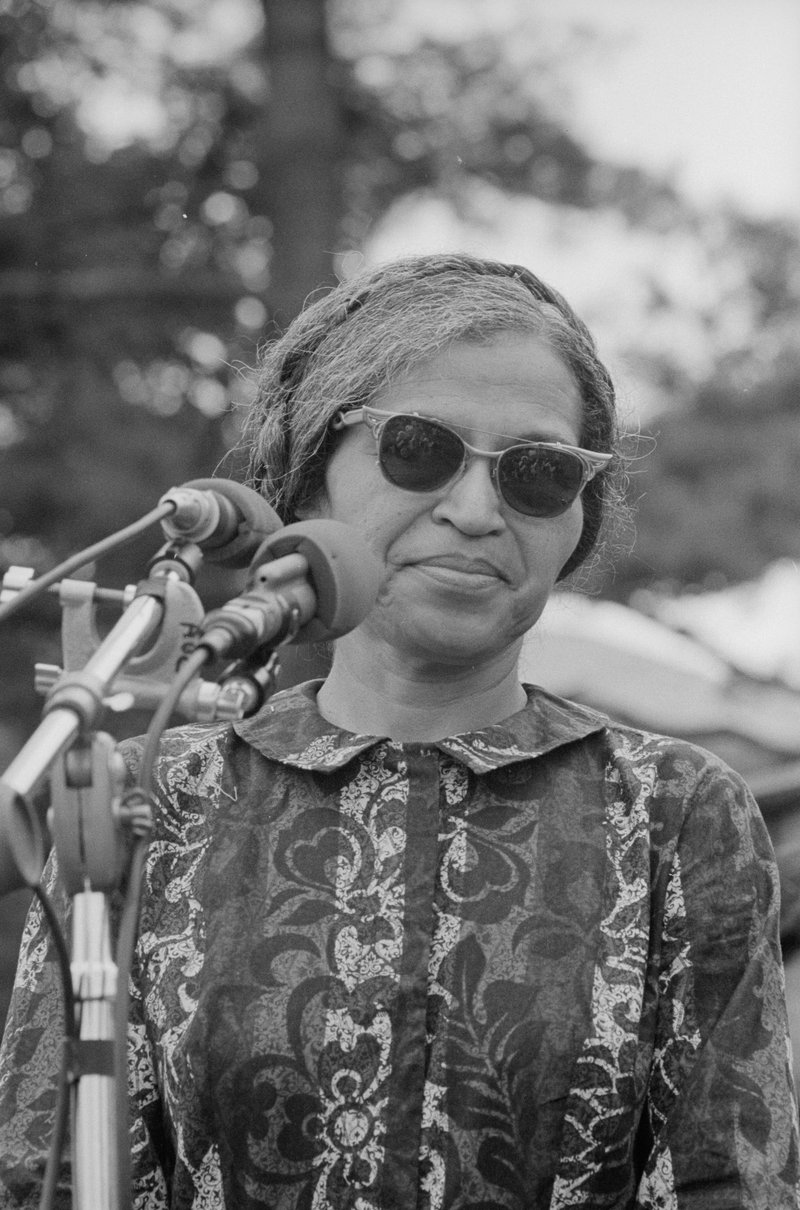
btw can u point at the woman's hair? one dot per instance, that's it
(372, 329)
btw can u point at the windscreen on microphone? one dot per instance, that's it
(344, 574)
(241, 520)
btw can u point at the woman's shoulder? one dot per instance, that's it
(675, 796)
(198, 766)
(193, 745)
(653, 757)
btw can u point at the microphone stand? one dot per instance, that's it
(92, 821)
(88, 822)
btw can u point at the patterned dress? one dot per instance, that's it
(536, 965)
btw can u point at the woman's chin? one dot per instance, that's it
(453, 643)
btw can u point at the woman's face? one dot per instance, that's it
(465, 575)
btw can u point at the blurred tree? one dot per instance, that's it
(168, 181)
(441, 115)
(722, 498)
(135, 281)
(299, 137)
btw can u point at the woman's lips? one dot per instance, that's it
(462, 570)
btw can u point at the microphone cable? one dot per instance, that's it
(78, 560)
(253, 519)
(129, 920)
(159, 721)
(335, 562)
(226, 519)
(61, 1116)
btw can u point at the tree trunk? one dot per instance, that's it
(301, 148)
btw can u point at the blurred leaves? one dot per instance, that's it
(722, 498)
(440, 113)
(136, 266)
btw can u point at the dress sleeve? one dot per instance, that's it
(30, 1060)
(723, 1130)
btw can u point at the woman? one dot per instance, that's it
(421, 935)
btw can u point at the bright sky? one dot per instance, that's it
(707, 88)
(707, 91)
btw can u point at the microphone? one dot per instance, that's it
(227, 520)
(310, 582)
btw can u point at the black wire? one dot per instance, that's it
(61, 1117)
(130, 912)
(35, 587)
(129, 921)
(62, 957)
(59, 1135)
(164, 711)
(126, 942)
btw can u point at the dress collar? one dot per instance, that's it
(289, 729)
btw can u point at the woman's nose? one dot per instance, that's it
(470, 502)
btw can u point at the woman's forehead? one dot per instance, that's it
(515, 384)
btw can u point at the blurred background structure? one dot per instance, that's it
(177, 176)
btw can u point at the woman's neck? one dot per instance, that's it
(382, 696)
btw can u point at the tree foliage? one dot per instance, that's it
(721, 499)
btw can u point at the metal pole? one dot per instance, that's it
(94, 979)
(59, 728)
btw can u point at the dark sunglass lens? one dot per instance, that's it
(539, 482)
(418, 455)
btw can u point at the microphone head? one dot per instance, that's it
(345, 575)
(253, 521)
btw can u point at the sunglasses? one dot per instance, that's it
(536, 478)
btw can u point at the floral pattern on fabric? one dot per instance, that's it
(534, 966)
